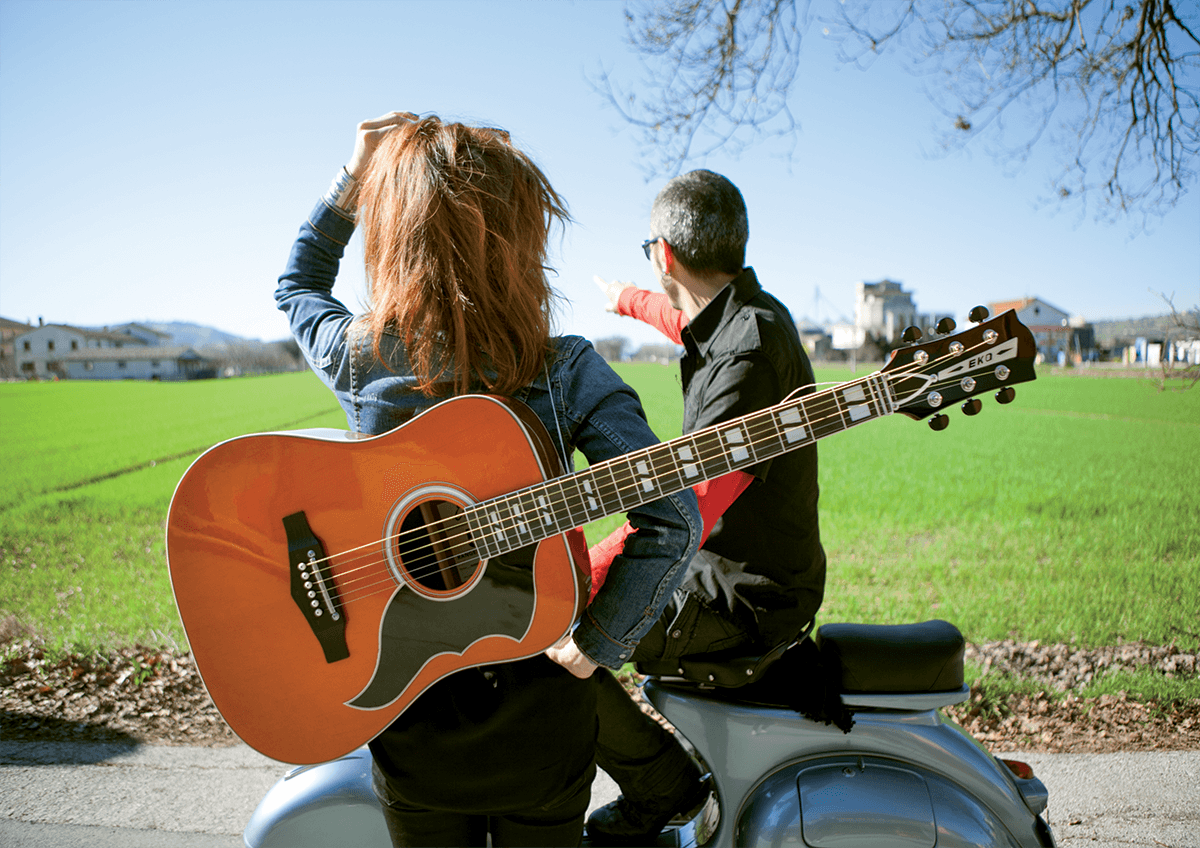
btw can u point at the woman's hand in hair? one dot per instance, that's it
(370, 134)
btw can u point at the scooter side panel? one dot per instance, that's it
(865, 802)
(741, 744)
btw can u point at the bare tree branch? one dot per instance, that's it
(1114, 87)
(720, 70)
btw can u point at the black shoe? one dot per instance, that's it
(624, 822)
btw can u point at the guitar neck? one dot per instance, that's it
(513, 521)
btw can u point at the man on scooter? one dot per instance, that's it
(759, 576)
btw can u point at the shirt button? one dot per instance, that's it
(676, 634)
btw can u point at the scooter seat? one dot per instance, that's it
(925, 657)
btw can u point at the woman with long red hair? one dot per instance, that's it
(455, 222)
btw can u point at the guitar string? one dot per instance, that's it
(453, 543)
(460, 543)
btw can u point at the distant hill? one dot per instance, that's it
(195, 335)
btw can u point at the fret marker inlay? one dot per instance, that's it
(858, 408)
(735, 437)
(647, 480)
(690, 468)
(498, 524)
(592, 503)
(793, 429)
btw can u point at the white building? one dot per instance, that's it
(127, 352)
(885, 310)
(152, 362)
(40, 352)
(1058, 335)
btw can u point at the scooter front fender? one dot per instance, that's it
(317, 806)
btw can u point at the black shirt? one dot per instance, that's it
(763, 564)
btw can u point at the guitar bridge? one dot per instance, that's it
(313, 588)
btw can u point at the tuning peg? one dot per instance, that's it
(1006, 394)
(911, 334)
(979, 313)
(939, 422)
(972, 407)
(946, 325)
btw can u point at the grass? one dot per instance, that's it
(89, 469)
(1072, 513)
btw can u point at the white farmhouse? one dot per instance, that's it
(1058, 335)
(40, 352)
(127, 352)
(138, 363)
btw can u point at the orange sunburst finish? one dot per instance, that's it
(228, 558)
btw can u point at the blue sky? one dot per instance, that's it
(156, 160)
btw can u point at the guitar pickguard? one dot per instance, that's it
(416, 628)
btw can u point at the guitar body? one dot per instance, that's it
(312, 625)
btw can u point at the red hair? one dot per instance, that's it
(455, 224)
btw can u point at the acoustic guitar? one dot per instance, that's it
(326, 581)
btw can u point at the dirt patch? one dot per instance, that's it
(143, 694)
(155, 696)
(1056, 720)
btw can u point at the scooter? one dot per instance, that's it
(839, 740)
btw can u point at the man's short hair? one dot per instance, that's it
(702, 216)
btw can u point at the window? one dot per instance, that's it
(25, 345)
(87, 366)
(50, 345)
(153, 363)
(120, 363)
(74, 344)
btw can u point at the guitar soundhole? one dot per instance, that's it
(433, 548)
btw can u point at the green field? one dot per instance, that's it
(1071, 514)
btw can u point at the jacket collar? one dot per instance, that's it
(703, 330)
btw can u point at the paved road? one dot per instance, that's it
(60, 795)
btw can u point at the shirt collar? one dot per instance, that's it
(709, 322)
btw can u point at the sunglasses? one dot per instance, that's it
(646, 245)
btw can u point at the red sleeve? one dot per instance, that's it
(714, 496)
(654, 309)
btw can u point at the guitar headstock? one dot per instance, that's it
(928, 378)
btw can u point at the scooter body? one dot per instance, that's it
(903, 776)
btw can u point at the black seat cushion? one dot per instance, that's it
(925, 657)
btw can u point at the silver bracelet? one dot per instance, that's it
(343, 193)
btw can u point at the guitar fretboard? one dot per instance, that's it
(617, 485)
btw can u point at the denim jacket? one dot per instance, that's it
(578, 397)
